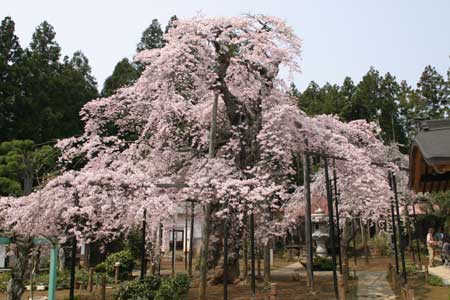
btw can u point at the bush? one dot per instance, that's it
(139, 289)
(322, 264)
(155, 288)
(4, 278)
(82, 277)
(126, 263)
(411, 269)
(435, 281)
(100, 268)
(380, 243)
(63, 279)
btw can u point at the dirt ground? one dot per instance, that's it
(288, 288)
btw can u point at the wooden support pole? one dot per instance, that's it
(103, 287)
(143, 261)
(331, 226)
(394, 230)
(90, 279)
(308, 225)
(174, 249)
(191, 239)
(336, 204)
(252, 254)
(225, 257)
(400, 233)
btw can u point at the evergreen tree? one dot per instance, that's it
(432, 87)
(10, 55)
(311, 100)
(366, 100)
(346, 94)
(152, 37)
(172, 23)
(387, 110)
(332, 103)
(124, 74)
(44, 46)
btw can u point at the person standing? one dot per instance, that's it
(430, 243)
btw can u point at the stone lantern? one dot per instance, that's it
(320, 234)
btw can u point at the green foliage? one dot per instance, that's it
(382, 99)
(124, 74)
(152, 37)
(81, 276)
(126, 263)
(23, 164)
(435, 281)
(155, 288)
(134, 242)
(322, 264)
(411, 269)
(100, 268)
(4, 278)
(40, 96)
(381, 244)
(139, 289)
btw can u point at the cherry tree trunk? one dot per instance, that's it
(15, 288)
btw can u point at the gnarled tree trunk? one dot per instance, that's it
(15, 288)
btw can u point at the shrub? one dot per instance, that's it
(155, 288)
(139, 289)
(82, 277)
(380, 244)
(175, 288)
(435, 281)
(322, 264)
(63, 278)
(100, 268)
(126, 263)
(4, 278)
(411, 269)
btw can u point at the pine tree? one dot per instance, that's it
(346, 94)
(171, 24)
(432, 88)
(124, 74)
(311, 100)
(152, 37)
(366, 100)
(10, 55)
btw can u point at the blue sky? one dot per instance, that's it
(340, 38)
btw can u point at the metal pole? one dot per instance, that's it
(394, 230)
(336, 204)
(252, 253)
(143, 262)
(191, 239)
(417, 236)
(53, 272)
(308, 231)
(400, 233)
(225, 257)
(331, 224)
(174, 248)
